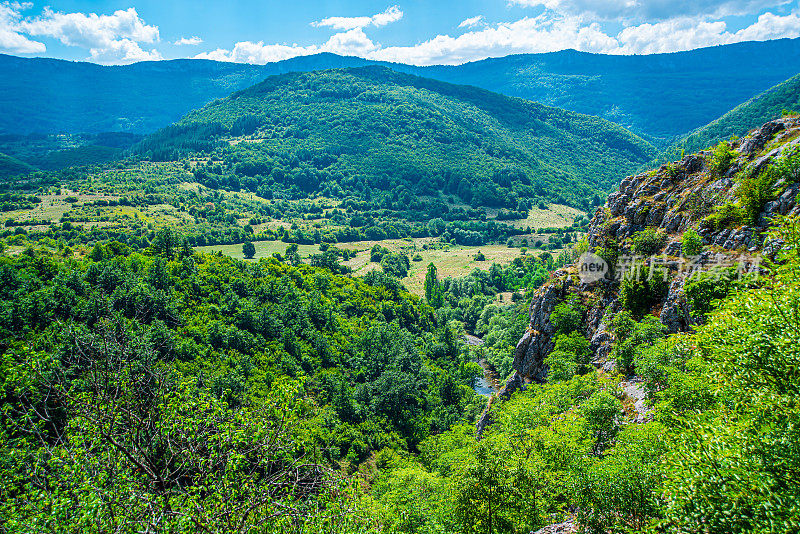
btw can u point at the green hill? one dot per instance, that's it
(10, 166)
(376, 134)
(743, 118)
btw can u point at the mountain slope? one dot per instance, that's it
(372, 128)
(660, 96)
(10, 166)
(752, 114)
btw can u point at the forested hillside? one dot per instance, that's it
(769, 105)
(373, 132)
(172, 390)
(658, 96)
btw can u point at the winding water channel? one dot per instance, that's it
(488, 383)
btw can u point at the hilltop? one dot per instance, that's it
(375, 133)
(661, 96)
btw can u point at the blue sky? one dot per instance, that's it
(414, 31)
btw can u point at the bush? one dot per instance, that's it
(788, 165)
(567, 316)
(561, 366)
(395, 264)
(649, 241)
(630, 337)
(726, 216)
(575, 344)
(638, 293)
(249, 250)
(722, 158)
(691, 243)
(754, 191)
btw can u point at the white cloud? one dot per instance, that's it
(470, 22)
(536, 34)
(351, 43)
(188, 41)
(11, 40)
(392, 14)
(686, 34)
(652, 10)
(769, 26)
(110, 39)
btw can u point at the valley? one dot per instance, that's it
(335, 295)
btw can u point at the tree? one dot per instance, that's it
(433, 290)
(248, 249)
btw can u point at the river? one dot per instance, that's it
(486, 384)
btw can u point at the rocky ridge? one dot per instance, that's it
(672, 199)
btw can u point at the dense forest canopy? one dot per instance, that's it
(334, 132)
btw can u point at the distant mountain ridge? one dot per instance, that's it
(662, 96)
(765, 107)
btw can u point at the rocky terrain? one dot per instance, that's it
(693, 193)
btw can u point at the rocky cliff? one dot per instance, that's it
(699, 192)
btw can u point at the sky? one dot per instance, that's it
(419, 32)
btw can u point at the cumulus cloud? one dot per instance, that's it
(109, 38)
(11, 40)
(351, 43)
(652, 10)
(392, 14)
(547, 33)
(188, 41)
(470, 22)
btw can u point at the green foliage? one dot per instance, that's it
(618, 493)
(691, 243)
(631, 337)
(729, 215)
(641, 289)
(567, 316)
(402, 136)
(649, 241)
(248, 249)
(574, 343)
(787, 166)
(722, 156)
(732, 465)
(704, 290)
(561, 366)
(395, 264)
(754, 190)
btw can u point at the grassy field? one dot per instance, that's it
(555, 216)
(451, 261)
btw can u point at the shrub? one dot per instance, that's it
(602, 411)
(395, 264)
(649, 241)
(754, 190)
(726, 216)
(788, 165)
(567, 316)
(639, 291)
(574, 343)
(249, 250)
(722, 158)
(479, 256)
(561, 366)
(631, 337)
(691, 243)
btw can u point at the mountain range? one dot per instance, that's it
(660, 97)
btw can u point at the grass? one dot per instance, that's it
(452, 261)
(555, 216)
